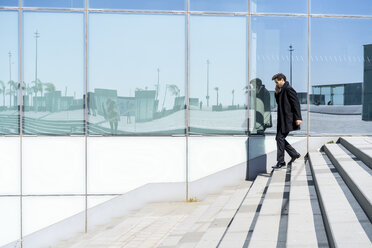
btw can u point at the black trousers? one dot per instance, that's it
(281, 145)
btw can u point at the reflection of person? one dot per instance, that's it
(289, 118)
(91, 104)
(112, 115)
(262, 106)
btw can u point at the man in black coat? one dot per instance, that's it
(289, 118)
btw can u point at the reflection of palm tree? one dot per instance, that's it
(216, 89)
(50, 87)
(175, 91)
(2, 90)
(11, 91)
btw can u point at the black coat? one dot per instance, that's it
(289, 109)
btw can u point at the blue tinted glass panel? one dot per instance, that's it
(218, 75)
(282, 6)
(136, 74)
(341, 7)
(219, 5)
(138, 4)
(54, 3)
(53, 73)
(339, 63)
(9, 79)
(277, 45)
(9, 3)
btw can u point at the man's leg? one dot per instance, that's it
(280, 145)
(289, 149)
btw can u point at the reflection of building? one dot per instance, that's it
(337, 94)
(367, 84)
(179, 103)
(145, 100)
(127, 105)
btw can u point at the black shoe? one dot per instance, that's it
(278, 165)
(294, 158)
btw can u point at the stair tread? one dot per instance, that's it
(239, 228)
(266, 229)
(341, 221)
(301, 227)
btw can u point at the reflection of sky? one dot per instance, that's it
(341, 7)
(8, 43)
(219, 5)
(270, 40)
(54, 3)
(282, 6)
(60, 50)
(127, 50)
(337, 49)
(222, 40)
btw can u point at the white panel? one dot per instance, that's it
(96, 200)
(53, 165)
(208, 155)
(10, 222)
(42, 212)
(10, 165)
(120, 164)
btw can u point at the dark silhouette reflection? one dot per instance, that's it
(262, 119)
(260, 98)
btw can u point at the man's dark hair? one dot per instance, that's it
(279, 76)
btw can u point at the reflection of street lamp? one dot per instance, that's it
(216, 88)
(290, 63)
(233, 92)
(36, 37)
(158, 85)
(10, 66)
(207, 97)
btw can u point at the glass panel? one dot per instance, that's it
(54, 3)
(9, 83)
(53, 73)
(282, 6)
(218, 75)
(10, 224)
(48, 220)
(219, 5)
(146, 160)
(137, 82)
(341, 7)
(340, 53)
(10, 166)
(139, 4)
(8, 3)
(53, 165)
(278, 45)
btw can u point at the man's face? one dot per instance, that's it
(279, 83)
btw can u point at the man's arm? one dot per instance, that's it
(295, 104)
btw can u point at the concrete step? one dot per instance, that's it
(343, 226)
(357, 178)
(266, 230)
(237, 232)
(361, 147)
(217, 228)
(301, 230)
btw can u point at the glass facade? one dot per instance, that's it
(130, 86)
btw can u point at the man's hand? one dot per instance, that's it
(277, 89)
(298, 122)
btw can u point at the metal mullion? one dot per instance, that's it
(86, 110)
(20, 75)
(308, 78)
(187, 114)
(181, 12)
(248, 78)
